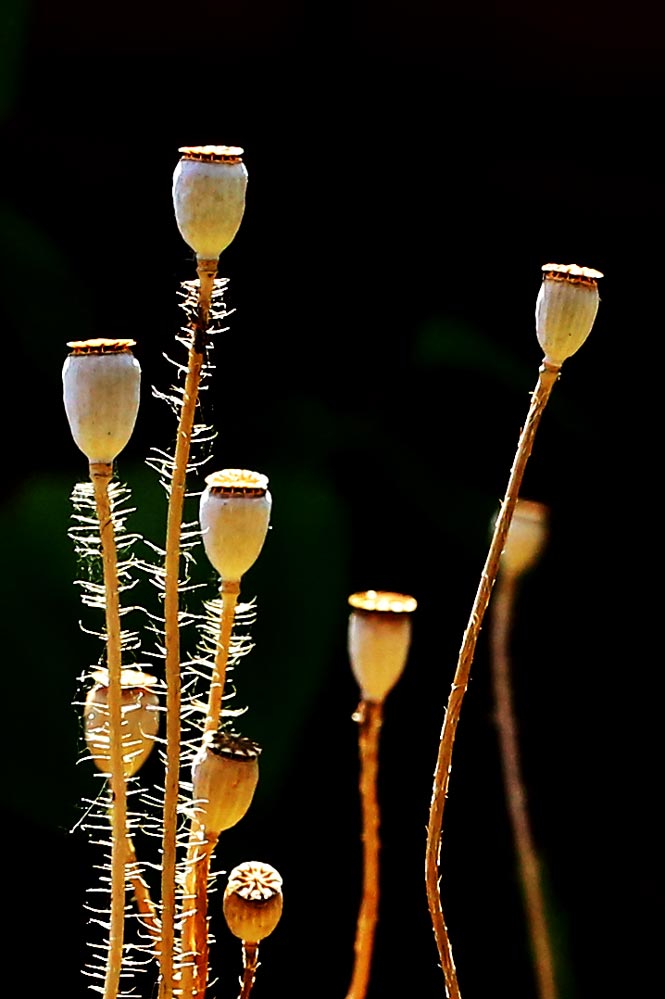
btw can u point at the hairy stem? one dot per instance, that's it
(250, 964)
(547, 376)
(195, 905)
(172, 633)
(501, 619)
(369, 717)
(195, 917)
(230, 591)
(101, 474)
(144, 903)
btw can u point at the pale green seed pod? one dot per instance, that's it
(566, 308)
(101, 382)
(209, 185)
(379, 637)
(225, 772)
(139, 708)
(527, 536)
(253, 901)
(235, 514)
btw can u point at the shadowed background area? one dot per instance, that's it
(410, 171)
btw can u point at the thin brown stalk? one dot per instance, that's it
(144, 903)
(195, 918)
(195, 905)
(195, 363)
(547, 376)
(369, 717)
(230, 591)
(101, 474)
(501, 620)
(250, 964)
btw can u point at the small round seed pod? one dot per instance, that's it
(235, 514)
(140, 719)
(379, 637)
(209, 184)
(101, 382)
(566, 308)
(225, 772)
(526, 538)
(253, 901)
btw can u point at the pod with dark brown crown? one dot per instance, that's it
(225, 772)
(379, 637)
(101, 382)
(140, 719)
(253, 901)
(235, 514)
(209, 185)
(527, 536)
(566, 308)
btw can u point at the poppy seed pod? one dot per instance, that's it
(101, 382)
(526, 537)
(225, 772)
(235, 514)
(253, 901)
(140, 720)
(566, 308)
(209, 185)
(378, 640)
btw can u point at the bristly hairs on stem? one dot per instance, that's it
(138, 952)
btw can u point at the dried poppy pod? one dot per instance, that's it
(378, 640)
(140, 719)
(253, 901)
(526, 537)
(101, 382)
(225, 772)
(235, 514)
(209, 184)
(566, 308)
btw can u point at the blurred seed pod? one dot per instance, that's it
(253, 901)
(225, 772)
(566, 308)
(101, 382)
(379, 637)
(140, 719)
(235, 513)
(209, 185)
(527, 536)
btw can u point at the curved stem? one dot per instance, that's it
(172, 639)
(547, 376)
(250, 964)
(369, 717)
(230, 591)
(100, 474)
(501, 626)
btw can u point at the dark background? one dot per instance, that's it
(411, 169)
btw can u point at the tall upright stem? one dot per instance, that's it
(172, 631)
(547, 376)
(101, 474)
(195, 916)
(250, 964)
(199, 850)
(501, 619)
(369, 717)
(229, 593)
